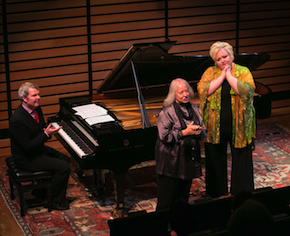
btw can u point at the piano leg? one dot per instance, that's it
(79, 171)
(119, 190)
(99, 182)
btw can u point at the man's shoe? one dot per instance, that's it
(59, 206)
(56, 206)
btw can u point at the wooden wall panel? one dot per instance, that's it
(3, 86)
(4, 124)
(48, 53)
(47, 45)
(5, 147)
(127, 26)
(47, 72)
(115, 27)
(265, 25)
(50, 62)
(51, 44)
(77, 10)
(65, 90)
(195, 25)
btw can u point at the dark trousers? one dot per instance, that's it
(171, 190)
(59, 165)
(242, 176)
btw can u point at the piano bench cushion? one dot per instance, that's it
(25, 180)
(25, 175)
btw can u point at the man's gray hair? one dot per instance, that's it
(172, 91)
(23, 90)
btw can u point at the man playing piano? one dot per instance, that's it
(28, 135)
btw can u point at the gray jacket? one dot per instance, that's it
(170, 146)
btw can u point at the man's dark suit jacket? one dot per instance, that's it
(27, 136)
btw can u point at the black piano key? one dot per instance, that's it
(78, 141)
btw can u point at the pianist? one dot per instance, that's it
(28, 135)
(177, 151)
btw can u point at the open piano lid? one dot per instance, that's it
(155, 66)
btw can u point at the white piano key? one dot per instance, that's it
(85, 133)
(71, 143)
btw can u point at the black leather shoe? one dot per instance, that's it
(56, 205)
(59, 206)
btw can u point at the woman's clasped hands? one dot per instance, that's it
(226, 72)
(192, 129)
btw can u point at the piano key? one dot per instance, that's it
(68, 137)
(75, 136)
(85, 133)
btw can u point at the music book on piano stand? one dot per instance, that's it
(93, 114)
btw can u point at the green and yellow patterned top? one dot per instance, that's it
(243, 112)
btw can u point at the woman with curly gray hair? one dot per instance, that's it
(177, 151)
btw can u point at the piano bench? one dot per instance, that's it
(24, 181)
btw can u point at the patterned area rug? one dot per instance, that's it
(88, 215)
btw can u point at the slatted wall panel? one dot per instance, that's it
(48, 46)
(61, 45)
(47, 43)
(195, 25)
(265, 27)
(116, 25)
(3, 88)
(4, 143)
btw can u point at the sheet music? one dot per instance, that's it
(93, 114)
(99, 119)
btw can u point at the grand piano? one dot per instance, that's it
(131, 97)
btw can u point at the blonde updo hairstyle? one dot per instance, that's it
(219, 45)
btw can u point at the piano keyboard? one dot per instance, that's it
(73, 140)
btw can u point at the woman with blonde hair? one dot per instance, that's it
(226, 105)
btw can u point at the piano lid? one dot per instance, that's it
(155, 66)
(251, 60)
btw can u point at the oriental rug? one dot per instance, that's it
(88, 214)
